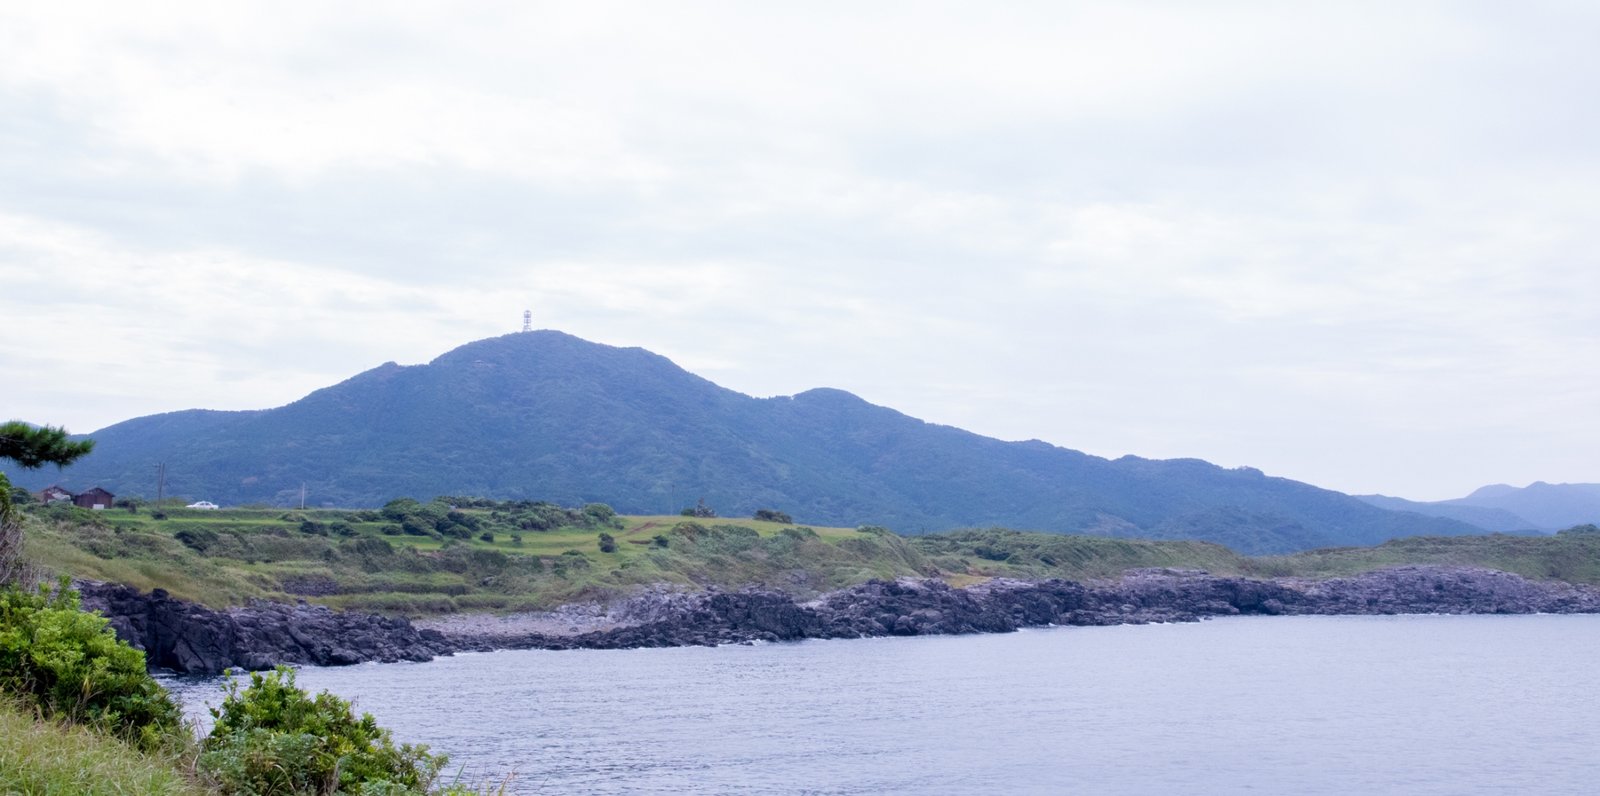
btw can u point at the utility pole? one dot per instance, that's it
(302, 496)
(161, 482)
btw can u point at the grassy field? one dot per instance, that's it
(366, 560)
(420, 559)
(1572, 556)
(45, 757)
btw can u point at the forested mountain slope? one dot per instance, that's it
(547, 416)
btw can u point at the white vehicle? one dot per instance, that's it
(202, 504)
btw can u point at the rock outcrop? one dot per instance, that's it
(930, 607)
(192, 639)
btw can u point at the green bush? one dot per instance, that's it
(197, 539)
(601, 514)
(68, 664)
(273, 738)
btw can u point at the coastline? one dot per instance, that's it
(191, 639)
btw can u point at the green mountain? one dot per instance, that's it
(547, 416)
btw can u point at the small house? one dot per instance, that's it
(95, 498)
(55, 494)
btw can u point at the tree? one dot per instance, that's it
(31, 447)
(36, 446)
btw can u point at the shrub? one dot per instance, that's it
(273, 737)
(487, 536)
(470, 520)
(400, 508)
(770, 515)
(608, 543)
(601, 514)
(990, 553)
(454, 531)
(68, 664)
(197, 539)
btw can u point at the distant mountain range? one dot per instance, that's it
(547, 416)
(1538, 506)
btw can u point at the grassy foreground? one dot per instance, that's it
(48, 757)
(422, 559)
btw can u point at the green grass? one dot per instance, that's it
(47, 758)
(221, 558)
(1570, 557)
(362, 560)
(998, 552)
(1573, 557)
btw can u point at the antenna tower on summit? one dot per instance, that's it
(527, 320)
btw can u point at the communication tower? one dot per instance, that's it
(527, 320)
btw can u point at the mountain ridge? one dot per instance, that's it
(545, 415)
(1537, 507)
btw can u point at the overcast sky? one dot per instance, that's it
(1350, 243)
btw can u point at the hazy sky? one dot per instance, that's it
(1351, 243)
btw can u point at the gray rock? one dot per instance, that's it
(191, 639)
(188, 638)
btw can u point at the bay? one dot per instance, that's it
(1403, 704)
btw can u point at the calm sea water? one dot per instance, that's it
(1414, 705)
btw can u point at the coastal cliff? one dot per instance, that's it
(930, 607)
(191, 639)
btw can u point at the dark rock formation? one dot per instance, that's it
(930, 607)
(1444, 590)
(188, 638)
(192, 639)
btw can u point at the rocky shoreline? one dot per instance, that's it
(191, 639)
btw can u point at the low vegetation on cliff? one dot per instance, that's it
(460, 554)
(437, 557)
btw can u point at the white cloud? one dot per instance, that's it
(1124, 227)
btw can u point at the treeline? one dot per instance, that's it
(444, 518)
